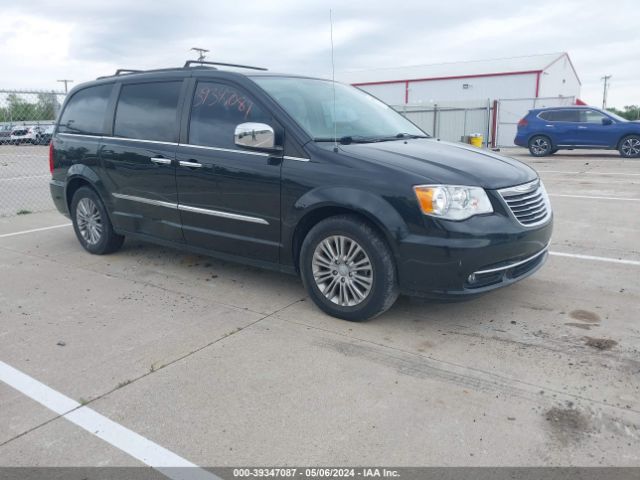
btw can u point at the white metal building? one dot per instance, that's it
(534, 76)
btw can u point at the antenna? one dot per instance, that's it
(201, 52)
(333, 84)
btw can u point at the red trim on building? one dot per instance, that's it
(481, 75)
(538, 84)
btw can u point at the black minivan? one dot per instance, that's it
(299, 174)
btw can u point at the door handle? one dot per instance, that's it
(161, 161)
(190, 164)
(582, 127)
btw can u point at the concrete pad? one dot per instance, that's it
(85, 333)
(204, 277)
(19, 414)
(526, 332)
(62, 444)
(281, 393)
(610, 229)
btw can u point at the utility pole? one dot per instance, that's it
(65, 81)
(605, 91)
(201, 53)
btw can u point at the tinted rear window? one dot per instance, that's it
(561, 115)
(148, 111)
(85, 111)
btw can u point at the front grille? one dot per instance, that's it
(529, 203)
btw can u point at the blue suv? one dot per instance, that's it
(546, 130)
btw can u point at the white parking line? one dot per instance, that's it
(139, 447)
(590, 172)
(594, 197)
(597, 259)
(559, 254)
(5, 235)
(24, 177)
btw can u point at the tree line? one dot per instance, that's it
(16, 108)
(630, 112)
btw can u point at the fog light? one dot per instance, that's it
(472, 278)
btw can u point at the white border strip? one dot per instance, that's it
(114, 434)
(5, 235)
(598, 259)
(589, 172)
(594, 197)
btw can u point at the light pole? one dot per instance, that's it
(605, 91)
(65, 81)
(201, 53)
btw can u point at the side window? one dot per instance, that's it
(216, 110)
(568, 115)
(148, 111)
(85, 112)
(591, 116)
(549, 116)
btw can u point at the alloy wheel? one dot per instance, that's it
(342, 270)
(631, 147)
(89, 221)
(540, 146)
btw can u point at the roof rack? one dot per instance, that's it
(188, 63)
(120, 71)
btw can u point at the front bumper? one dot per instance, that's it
(466, 261)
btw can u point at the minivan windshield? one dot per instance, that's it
(359, 117)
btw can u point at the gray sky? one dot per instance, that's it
(42, 41)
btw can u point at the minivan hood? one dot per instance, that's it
(447, 163)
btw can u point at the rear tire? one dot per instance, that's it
(348, 269)
(630, 146)
(540, 146)
(91, 223)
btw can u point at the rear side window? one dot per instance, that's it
(148, 111)
(85, 111)
(561, 115)
(216, 110)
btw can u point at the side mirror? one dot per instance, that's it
(607, 121)
(257, 136)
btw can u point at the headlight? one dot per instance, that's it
(452, 202)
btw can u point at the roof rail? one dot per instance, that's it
(120, 71)
(188, 63)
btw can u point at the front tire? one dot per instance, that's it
(630, 146)
(540, 146)
(348, 269)
(91, 223)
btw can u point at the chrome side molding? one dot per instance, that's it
(189, 208)
(218, 213)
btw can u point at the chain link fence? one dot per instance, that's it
(451, 121)
(26, 125)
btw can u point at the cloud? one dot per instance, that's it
(42, 41)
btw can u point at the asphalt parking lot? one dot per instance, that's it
(227, 365)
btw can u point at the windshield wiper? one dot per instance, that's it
(347, 139)
(410, 135)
